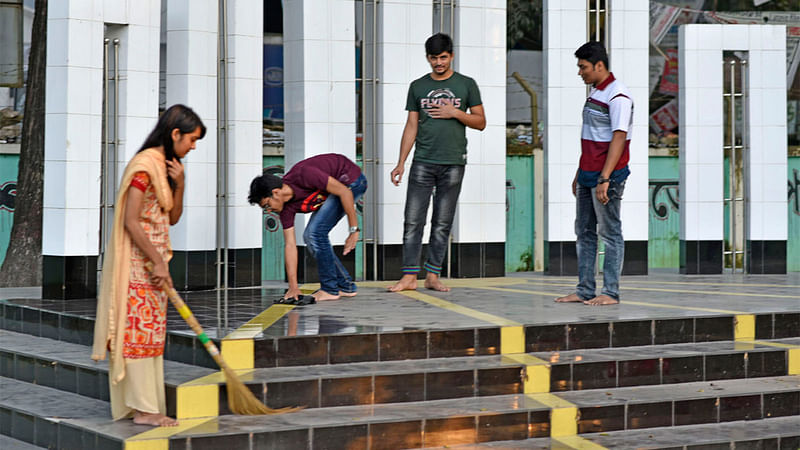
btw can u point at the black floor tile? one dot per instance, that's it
(394, 435)
(5, 421)
(639, 372)
(399, 388)
(588, 335)
(764, 326)
(50, 325)
(682, 370)
(442, 385)
(13, 318)
(790, 443)
(766, 364)
(31, 321)
(725, 367)
(405, 345)
(713, 329)
(264, 353)
(444, 344)
(67, 378)
(746, 407)
(691, 412)
(594, 375)
(539, 424)
(649, 415)
(450, 431)
(503, 427)
(302, 351)
(673, 331)
(346, 391)
(781, 404)
(601, 419)
(353, 348)
(293, 393)
(500, 381)
(6, 364)
(45, 373)
(88, 383)
(488, 341)
(281, 440)
(47, 433)
(632, 333)
(350, 437)
(560, 377)
(24, 368)
(545, 338)
(104, 443)
(22, 426)
(787, 325)
(230, 441)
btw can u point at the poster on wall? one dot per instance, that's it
(665, 118)
(273, 82)
(669, 78)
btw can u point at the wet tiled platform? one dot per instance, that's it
(688, 354)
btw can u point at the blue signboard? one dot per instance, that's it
(273, 81)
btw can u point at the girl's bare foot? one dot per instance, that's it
(601, 300)
(407, 283)
(433, 283)
(322, 296)
(348, 294)
(569, 298)
(156, 420)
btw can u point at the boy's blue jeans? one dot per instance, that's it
(593, 217)
(333, 276)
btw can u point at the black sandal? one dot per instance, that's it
(301, 300)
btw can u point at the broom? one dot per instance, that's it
(240, 399)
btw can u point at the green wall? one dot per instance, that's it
(519, 213)
(793, 244)
(663, 248)
(8, 180)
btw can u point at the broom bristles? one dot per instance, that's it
(242, 401)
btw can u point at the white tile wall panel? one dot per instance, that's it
(775, 218)
(709, 221)
(755, 225)
(736, 37)
(773, 37)
(774, 112)
(755, 106)
(493, 230)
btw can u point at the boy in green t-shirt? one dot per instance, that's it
(440, 106)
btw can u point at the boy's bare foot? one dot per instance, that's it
(569, 298)
(348, 294)
(156, 420)
(433, 283)
(407, 283)
(601, 300)
(322, 296)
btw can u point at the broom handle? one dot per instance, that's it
(191, 320)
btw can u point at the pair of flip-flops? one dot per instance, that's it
(301, 300)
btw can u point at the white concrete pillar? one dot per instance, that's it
(191, 75)
(71, 216)
(564, 93)
(403, 27)
(701, 140)
(479, 230)
(319, 88)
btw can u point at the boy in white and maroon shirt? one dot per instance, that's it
(600, 179)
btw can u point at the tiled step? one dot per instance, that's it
(273, 348)
(432, 423)
(775, 433)
(8, 443)
(68, 366)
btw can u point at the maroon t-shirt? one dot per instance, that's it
(309, 181)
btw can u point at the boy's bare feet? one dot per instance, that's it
(569, 298)
(407, 283)
(348, 294)
(601, 300)
(322, 296)
(156, 420)
(433, 283)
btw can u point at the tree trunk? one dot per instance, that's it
(23, 263)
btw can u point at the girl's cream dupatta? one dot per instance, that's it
(112, 310)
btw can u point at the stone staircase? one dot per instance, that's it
(669, 382)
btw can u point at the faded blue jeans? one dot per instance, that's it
(333, 277)
(593, 217)
(444, 183)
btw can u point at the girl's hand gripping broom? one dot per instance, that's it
(240, 399)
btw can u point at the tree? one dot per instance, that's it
(23, 263)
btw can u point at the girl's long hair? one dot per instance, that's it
(176, 116)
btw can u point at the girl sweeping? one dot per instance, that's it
(132, 306)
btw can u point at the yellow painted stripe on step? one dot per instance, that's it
(563, 414)
(260, 322)
(239, 353)
(193, 401)
(684, 307)
(577, 442)
(444, 304)
(744, 328)
(158, 438)
(537, 372)
(512, 340)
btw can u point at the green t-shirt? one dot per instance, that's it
(442, 141)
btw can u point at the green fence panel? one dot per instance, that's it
(519, 213)
(663, 248)
(272, 262)
(793, 243)
(8, 193)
